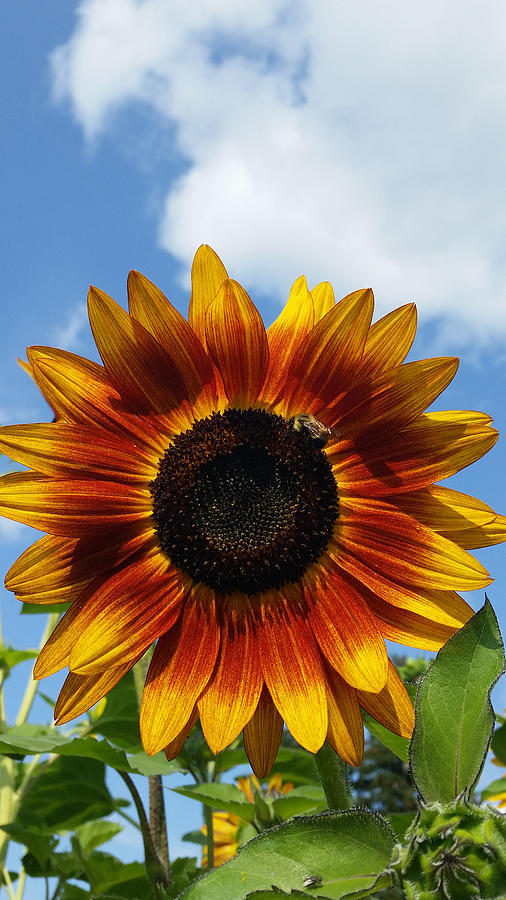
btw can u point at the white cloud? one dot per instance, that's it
(69, 334)
(362, 143)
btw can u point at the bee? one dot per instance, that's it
(319, 433)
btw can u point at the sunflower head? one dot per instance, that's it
(260, 504)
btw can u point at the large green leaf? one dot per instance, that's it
(301, 799)
(119, 722)
(226, 797)
(30, 739)
(344, 851)
(454, 717)
(63, 795)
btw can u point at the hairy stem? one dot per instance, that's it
(157, 821)
(208, 819)
(334, 778)
(154, 866)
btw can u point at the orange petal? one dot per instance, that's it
(69, 507)
(445, 510)
(345, 629)
(126, 614)
(55, 653)
(401, 548)
(392, 706)
(388, 402)
(405, 627)
(80, 692)
(389, 339)
(174, 748)
(208, 275)
(262, 735)
(237, 342)
(323, 366)
(151, 308)
(346, 731)
(323, 299)
(429, 449)
(81, 392)
(445, 607)
(232, 694)
(285, 334)
(80, 450)
(56, 569)
(181, 667)
(293, 670)
(141, 370)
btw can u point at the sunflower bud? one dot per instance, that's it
(454, 850)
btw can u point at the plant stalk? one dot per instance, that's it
(334, 778)
(208, 819)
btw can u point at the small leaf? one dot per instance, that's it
(499, 744)
(454, 717)
(346, 851)
(300, 800)
(10, 657)
(496, 787)
(34, 609)
(226, 797)
(93, 834)
(142, 764)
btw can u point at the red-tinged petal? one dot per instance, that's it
(237, 342)
(80, 692)
(323, 299)
(127, 613)
(70, 507)
(392, 706)
(384, 404)
(345, 629)
(55, 653)
(445, 607)
(428, 450)
(81, 392)
(181, 667)
(481, 536)
(390, 339)
(285, 334)
(401, 548)
(324, 365)
(262, 735)
(346, 731)
(80, 450)
(140, 369)
(57, 569)
(293, 670)
(232, 694)
(174, 748)
(405, 627)
(153, 310)
(208, 275)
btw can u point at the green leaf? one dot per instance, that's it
(10, 657)
(72, 892)
(499, 744)
(346, 851)
(34, 609)
(300, 800)
(398, 745)
(496, 787)
(63, 795)
(119, 721)
(454, 717)
(142, 764)
(109, 875)
(226, 797)
(39, 844)
(400, 822)
(93, 834)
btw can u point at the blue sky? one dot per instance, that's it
(360, 143)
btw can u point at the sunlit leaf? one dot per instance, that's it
(454, 715)
(226, 797)
(342, 851)
(93, 834)
(300, 800)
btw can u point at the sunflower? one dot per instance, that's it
(259, 503)
(230, 831)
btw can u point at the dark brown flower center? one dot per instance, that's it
(244, 502)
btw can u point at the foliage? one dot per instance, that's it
(57, 804)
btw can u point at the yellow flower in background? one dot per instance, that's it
(227, 826)
(259, 503)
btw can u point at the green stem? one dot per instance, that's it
(158, 822)
(208, 819)
(334, 778)
(32, 686)
(154, 867)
